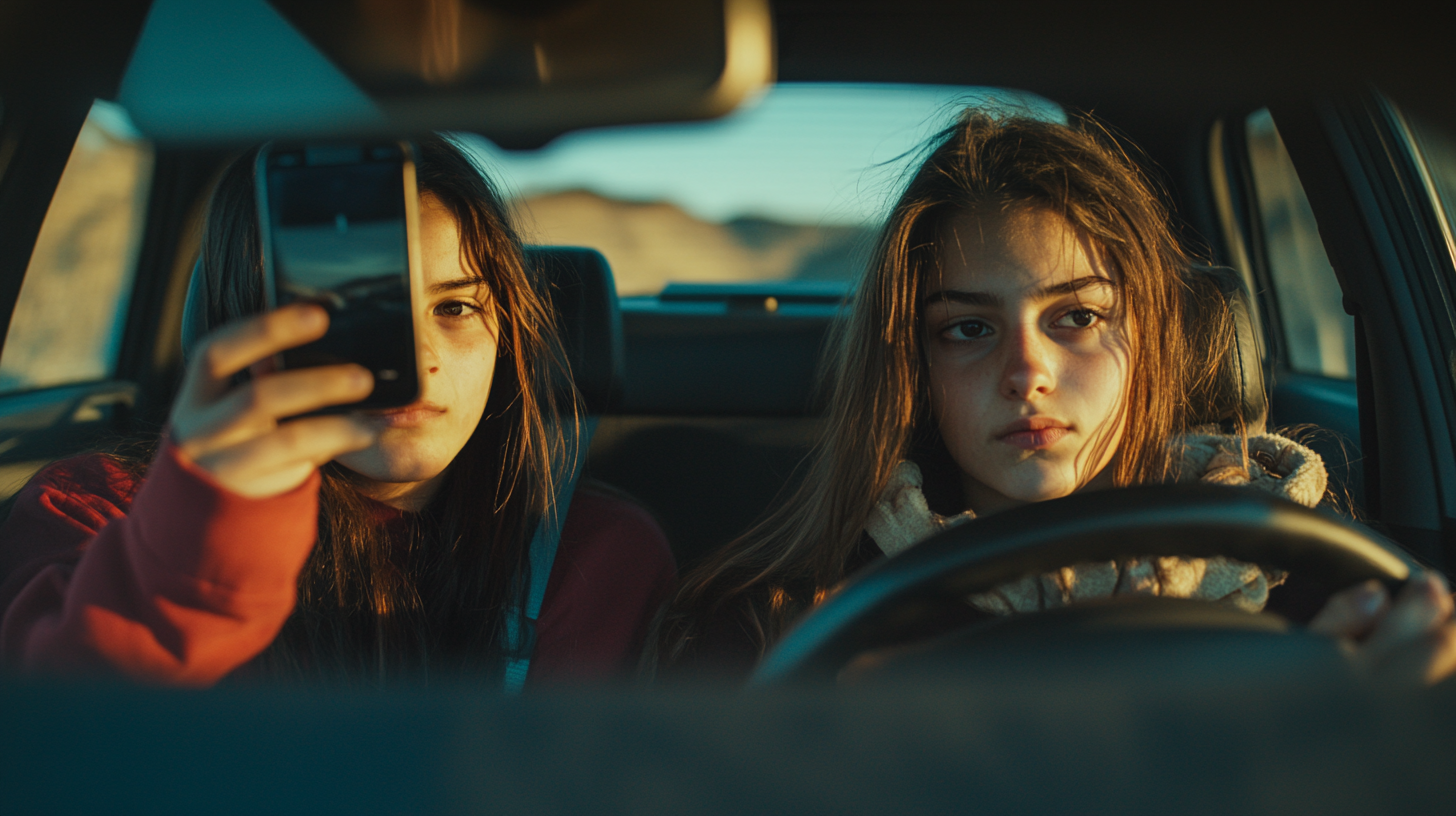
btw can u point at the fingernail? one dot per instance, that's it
(310, 317)
(361, 378)
(1370, 598)
(1426, 585)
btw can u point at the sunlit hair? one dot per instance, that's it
(879, 405)
(365, 608)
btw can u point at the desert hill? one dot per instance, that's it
(650, 244)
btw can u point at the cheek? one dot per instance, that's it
(1097, 381)
(1096, 391)
(960, 391)
(470, 361)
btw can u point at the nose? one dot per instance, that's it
(1026, 365)
(429, 359)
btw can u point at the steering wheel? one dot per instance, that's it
(898, 600)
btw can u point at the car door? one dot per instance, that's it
(1370, 359)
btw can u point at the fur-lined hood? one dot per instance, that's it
(1273, 463)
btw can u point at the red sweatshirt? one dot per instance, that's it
(179, 581)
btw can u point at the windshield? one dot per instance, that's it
(791, 188)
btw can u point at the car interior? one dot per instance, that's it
(1309, 160)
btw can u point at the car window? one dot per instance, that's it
(67, 323)
(790, 188)
(1319, 338)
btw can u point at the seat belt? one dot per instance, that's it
(521, 629)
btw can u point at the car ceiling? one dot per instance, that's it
(1157, 72)
(1178, 57)
(1130, 64)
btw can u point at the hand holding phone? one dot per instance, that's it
(237, 433)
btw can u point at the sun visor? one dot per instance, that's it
(521, 73)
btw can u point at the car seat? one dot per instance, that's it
(1232, 393)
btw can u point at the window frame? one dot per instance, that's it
(1241, 228)
(1376, 223)
(1295, 398)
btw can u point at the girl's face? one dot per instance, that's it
(456, 328)
(1028, 356)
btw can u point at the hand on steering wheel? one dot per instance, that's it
(900, 600)
(1409, 643)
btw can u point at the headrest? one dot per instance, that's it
(585, 297)
(1234, 393)
(580, 284)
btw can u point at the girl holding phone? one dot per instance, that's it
(376, 545)
(1025, 330)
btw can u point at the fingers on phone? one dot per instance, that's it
(255, 408)
(279, 461)
(299, 391)
(240, 345)
(312, 441)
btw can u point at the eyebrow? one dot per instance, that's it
(987, 299)
(459, 283)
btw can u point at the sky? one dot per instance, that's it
(828, 154)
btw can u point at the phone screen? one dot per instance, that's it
(338, 235)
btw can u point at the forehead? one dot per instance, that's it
(1010, 251)
(440, 242)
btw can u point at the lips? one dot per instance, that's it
(409, 416)
(1034, 433)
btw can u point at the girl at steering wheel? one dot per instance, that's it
(1028, 328)
(361, 546)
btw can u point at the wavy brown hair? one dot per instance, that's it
(366, 608)
(879, 405)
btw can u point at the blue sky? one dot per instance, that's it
(804, 153)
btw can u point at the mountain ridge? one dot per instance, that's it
(650, 244)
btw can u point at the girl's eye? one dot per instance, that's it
(1078, 319)
(968, 330)
(456, 308)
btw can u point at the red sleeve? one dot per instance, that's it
(181, 585)
(613, 571)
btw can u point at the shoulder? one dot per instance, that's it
(61, 509)
(86, 491)
(612, 572)
(606, 523)
(1269, 462)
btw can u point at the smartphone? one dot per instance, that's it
(340, 226)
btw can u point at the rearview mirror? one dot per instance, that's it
(519, 72)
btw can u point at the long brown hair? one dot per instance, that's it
(364, 608)
(879, 405)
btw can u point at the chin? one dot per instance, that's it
(393, 466)
(1038, 487)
